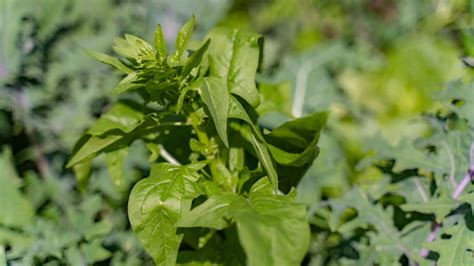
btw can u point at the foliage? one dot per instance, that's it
(49, 92)
(229, 180)
(375, 64)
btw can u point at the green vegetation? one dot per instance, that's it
(204, 155)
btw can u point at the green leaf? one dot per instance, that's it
(115, 161)
(440, 207)
(272, 229)
(154, 149)
(295, 142)
(387, 239)
(134, 48)
(237, 111)
(182, 40)
(455, 250)
(127, 83)
(124, 115)
(266, 160)
(236, 159)
(195, 59)
(16, 240)
(293, 145)
(234, 57)
(109, 60)
(94, 252)
(160, 45)
(463, 92)
(211, 214)
(3, 259)
(92, 147)
(214, 94)
(82, 171)
(112, 136)
(157, 202)
(193, 87)
(15, 209)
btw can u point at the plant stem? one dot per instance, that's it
(459, 189)
(421, 190)
(167, 156)
(463, 184)
(467, 178)
(431, 237)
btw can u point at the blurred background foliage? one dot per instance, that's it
(374, 64)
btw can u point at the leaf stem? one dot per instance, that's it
(421, 190)
(459, 188)
(431, 237)
(467, 178)
(300, 88)
(167, 156)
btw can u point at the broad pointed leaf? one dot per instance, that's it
(155, 205)
(272, 229)
(89, 146)
(234, 57)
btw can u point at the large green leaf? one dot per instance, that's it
(215, 96)
(272, 229)
(97, 144)
(157, 202)
(234, 57)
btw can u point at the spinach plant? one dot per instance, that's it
(219, 190)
